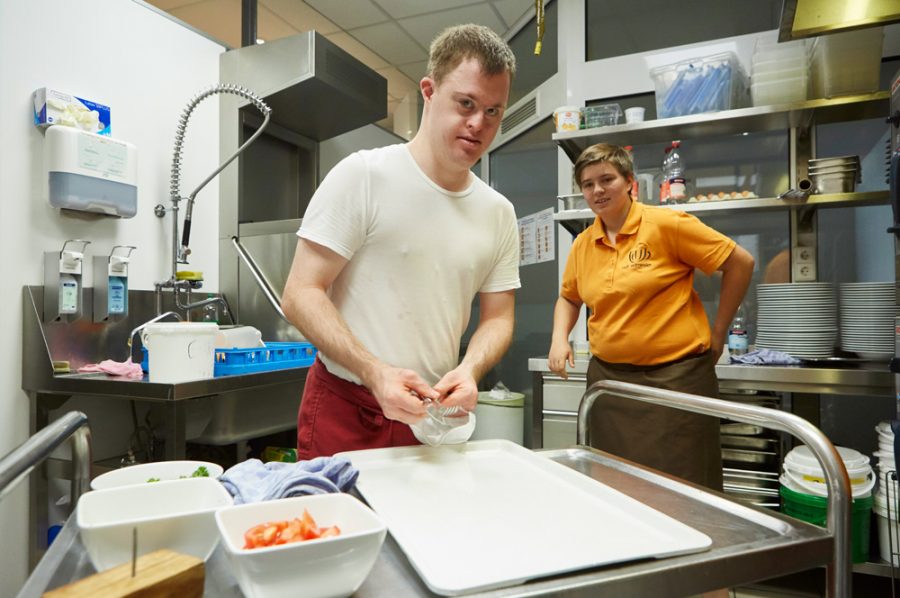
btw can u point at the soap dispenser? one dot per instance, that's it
(62, 282)
(111, 284)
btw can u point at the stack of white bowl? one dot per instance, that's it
(868, 310)
(886, 496)
(797, 318)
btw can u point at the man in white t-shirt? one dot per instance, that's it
(395, 245)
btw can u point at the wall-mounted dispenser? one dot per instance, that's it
(62, 282)
(111, 284)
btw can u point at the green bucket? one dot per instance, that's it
(814, 509)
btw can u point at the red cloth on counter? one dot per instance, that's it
(337, 415)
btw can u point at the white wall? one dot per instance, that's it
(145, 67)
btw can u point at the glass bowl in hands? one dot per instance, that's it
(443, 425)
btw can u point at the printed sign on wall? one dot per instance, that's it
(537, 238)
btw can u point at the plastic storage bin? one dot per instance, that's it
(847, 63)
(814, 509)
(603, 115)
(716, 82)
(780, 72)
(780, 91)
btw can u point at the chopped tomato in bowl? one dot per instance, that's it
(273, 533)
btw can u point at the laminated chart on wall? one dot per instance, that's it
(537, 238)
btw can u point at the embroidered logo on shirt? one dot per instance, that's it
(639, 257)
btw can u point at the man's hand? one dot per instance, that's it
(458, 388)
(400, 392)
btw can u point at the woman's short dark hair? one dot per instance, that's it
(618, 156)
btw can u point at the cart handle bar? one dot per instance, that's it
(16, 465)
(836, 479)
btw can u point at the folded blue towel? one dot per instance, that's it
(765, 357)
(255, 481)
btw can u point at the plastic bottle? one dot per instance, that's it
(738, 339)
(677, 187)
(664, 193)
(68, 294)
(634, 183)
(118, 295)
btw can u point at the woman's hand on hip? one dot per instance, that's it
(560, 355)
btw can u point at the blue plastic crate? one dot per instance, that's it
(274, 356)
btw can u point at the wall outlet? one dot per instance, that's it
(804, 255)
(804, 272)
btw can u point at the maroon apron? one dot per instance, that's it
(337, 415)
(677, 442)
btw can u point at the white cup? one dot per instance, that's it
(634, 115)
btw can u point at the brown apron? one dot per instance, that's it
(677, 442)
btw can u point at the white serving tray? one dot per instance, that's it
(490, 514)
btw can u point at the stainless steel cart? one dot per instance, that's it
(749, 544)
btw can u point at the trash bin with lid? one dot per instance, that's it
(500, 413)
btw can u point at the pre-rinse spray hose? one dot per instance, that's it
(175, 182)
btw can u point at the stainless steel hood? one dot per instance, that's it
(317, 91)
(809, 18)
(314, 87)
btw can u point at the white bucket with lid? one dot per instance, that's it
(567, 118)
(886, 519)
(180, 351)
(802, 472)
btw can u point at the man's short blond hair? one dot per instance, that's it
(460, 42)
(615, 155)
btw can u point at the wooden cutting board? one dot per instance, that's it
(159, 574)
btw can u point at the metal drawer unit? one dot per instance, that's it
(560, 409)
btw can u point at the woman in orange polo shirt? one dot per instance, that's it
(634, 268)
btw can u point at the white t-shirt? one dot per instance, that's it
(418, 256)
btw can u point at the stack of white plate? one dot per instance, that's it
(797, 318)
(867, 318)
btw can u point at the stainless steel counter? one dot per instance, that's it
(243, 406)
(866, 378)
(748, 545)
(101, 385)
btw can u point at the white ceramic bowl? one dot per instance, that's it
(335, 566)
(178, 515)
(162, 470)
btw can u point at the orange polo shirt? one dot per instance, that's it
(644, 309)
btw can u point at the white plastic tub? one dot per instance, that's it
(880, 509)
(567, 118)
(802, 472)
(180, 351)
(780, 91)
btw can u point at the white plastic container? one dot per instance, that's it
(178, 515)
(780, 91)
(768, 51)
(802, 472)
(500, 416)
(238, 337)
(326, 567)
(180, 351)
(567, 118)
(886, 518)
